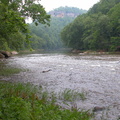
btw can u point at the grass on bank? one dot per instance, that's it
(27, 102)
(72, 95)
(7, 70)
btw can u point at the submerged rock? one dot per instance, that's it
(96, 109)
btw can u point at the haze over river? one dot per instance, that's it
(97, 75)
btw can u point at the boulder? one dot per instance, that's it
(6, 53)
(1, 55)
(14, 52)
(97, 108)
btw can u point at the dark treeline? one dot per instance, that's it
(98, 29)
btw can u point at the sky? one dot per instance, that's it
(82, 4)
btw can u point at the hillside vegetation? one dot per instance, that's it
(48, 37)
(98, 29)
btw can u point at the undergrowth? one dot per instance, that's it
(7, 70)
(72, 95)
(27, 102)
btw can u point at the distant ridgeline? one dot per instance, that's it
(66, 12)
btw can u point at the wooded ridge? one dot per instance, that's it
(98, 29)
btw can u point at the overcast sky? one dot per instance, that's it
(82, 4)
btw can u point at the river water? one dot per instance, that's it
(96, 75)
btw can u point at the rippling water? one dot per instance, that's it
(99, 76)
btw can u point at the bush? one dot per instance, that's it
(14, 108)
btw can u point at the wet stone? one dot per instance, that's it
(96, 109)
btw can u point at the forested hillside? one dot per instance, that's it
(98, 29)
(48, 37)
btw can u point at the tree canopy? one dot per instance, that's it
(98, 29)
(13, 29)
(49, 37)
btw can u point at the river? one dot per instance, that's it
(97, 75)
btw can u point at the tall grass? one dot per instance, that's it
(72, 95)
(7, 70)
(27, 102)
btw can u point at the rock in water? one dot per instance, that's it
(6, 53)
(1, 55)
(14, 52)
(96, 109)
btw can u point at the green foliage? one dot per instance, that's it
(72, 95)
(44, 37)
(9, 71)
(14, 108)
(103, 6)
(25, 102)
(6, 71)
(96, 30)
(10, 24)
(12, 104)
(115, 41)
(115, 20)
(13, 29)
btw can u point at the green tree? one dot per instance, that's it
(73, 33)
(114, 15)
(50, 34)
(102, 33)
(12, 21)
(99, 29)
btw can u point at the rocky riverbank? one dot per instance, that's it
(7, 54)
